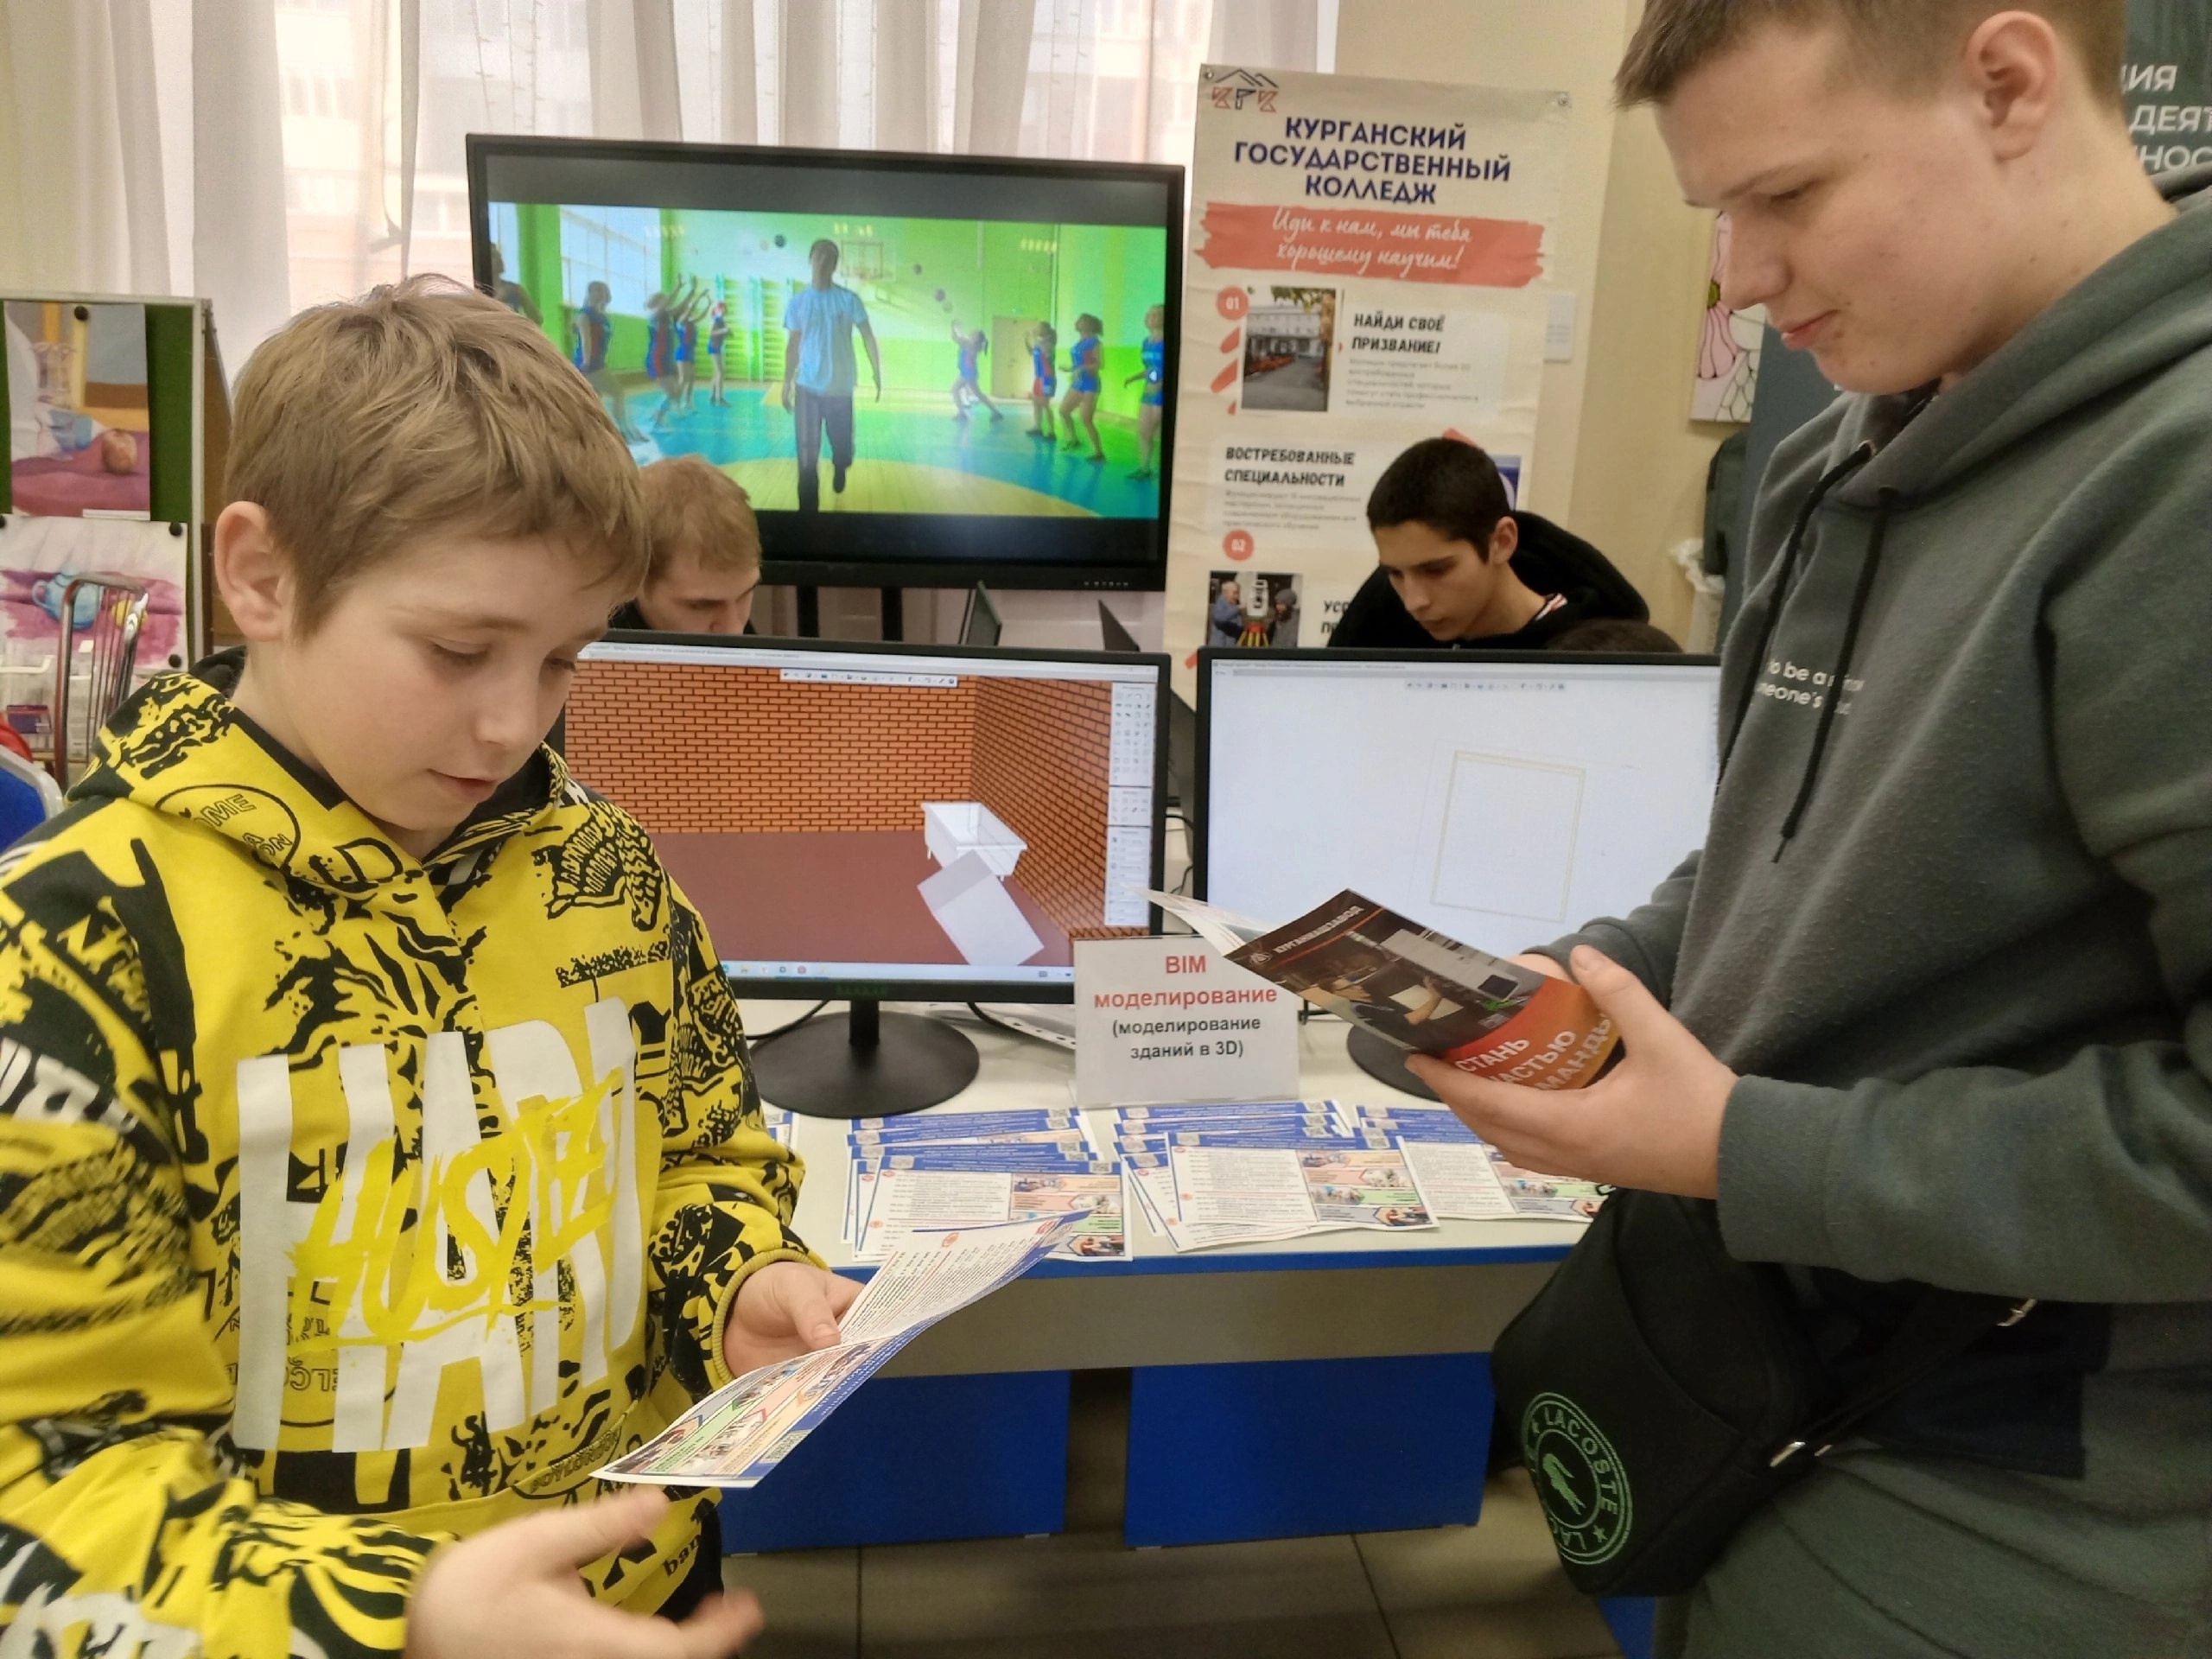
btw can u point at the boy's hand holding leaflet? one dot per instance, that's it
(1653, 1123)
(782, 1310)
(738, 1434)
(515, 1590)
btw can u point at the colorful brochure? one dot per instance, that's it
(1420, 989)
(737, 1435)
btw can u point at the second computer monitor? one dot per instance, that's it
(979, 624)
(1503, 800)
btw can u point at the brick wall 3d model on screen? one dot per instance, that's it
(716, 751)
(766, 793)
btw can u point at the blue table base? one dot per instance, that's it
(1218, 1453)
(1632, 1620)
(909, 1459)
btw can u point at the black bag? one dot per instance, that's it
(1661, 1390)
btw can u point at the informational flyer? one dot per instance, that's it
(1458, 1179)
(1255, 1188)
(1366, 1188)
(1369, 266)
(737, 1435)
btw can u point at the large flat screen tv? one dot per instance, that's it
(745, 303)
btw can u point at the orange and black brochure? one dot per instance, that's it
(1425, 991)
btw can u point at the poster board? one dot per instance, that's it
(102, 402)
(2166, 82)
(1369, 267)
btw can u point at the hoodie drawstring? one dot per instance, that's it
(1836, 687)
(1834, 476)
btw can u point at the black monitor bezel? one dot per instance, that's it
(925, 990)
(1201, 827)
(909, 550)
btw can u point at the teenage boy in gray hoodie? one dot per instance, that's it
(1933, 1006)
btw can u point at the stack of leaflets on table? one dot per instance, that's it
(738, 1434)
(1419, 989)
(778, 1123)
(1466, 1178)
(1243, 1173)
(963, 1169)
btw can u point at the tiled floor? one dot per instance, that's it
(1493, 1591)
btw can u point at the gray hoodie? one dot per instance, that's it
(1953, 927)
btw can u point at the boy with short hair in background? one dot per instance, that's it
(379, 1155)
(703, 559)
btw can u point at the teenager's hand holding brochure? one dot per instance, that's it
(1420, 989)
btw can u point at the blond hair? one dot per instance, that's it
(421, 410)
(1906, 41)
(692, 506)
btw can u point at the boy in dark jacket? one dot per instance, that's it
(1460, 570)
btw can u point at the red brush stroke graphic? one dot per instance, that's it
(1349, 242)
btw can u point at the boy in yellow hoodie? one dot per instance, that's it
(379, 1155)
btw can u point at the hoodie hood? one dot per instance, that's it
(2141, 311)
(179, 746)
(1553, 560)
(1549, 560)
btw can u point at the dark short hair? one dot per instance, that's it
(1448, 484)
(1905, 40)
(1614, 633)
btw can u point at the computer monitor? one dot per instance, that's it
(1182, 719)
(1504, 799)
(688, 281)
(980, 625)
(1116, 634)
(870, 822)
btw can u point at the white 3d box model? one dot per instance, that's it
(951, 829)
(978, 914)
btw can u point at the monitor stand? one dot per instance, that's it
(1385, 1062)
(865, 1063)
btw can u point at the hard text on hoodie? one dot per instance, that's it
(1960, 947)
(346, 1202)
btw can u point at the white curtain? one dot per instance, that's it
(269, 154)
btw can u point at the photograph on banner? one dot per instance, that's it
(1369, 267)
(79, 439)
(1289, 334)
(1252, 609)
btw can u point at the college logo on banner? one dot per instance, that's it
(1579, 1478)
(1242, 89)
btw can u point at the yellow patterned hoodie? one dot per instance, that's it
(348, 1203)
